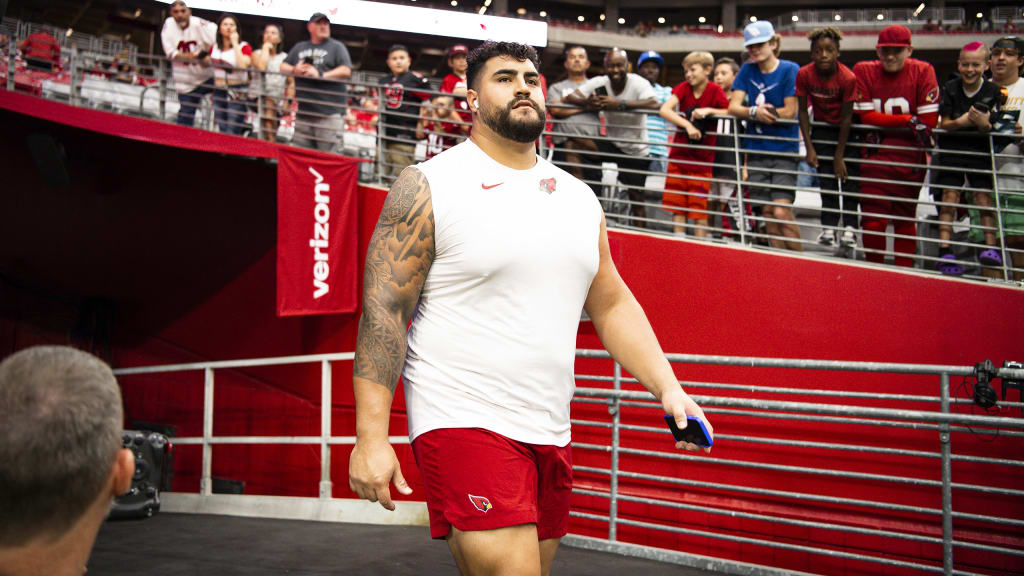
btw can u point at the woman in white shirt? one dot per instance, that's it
(230, 57)
(276, 89)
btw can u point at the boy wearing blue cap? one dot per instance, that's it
(770, 84)
(649, 65)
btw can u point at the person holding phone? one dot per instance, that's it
(479, 317)
(770, 84)
(187, 41)
(964, 108)
(619, 95)
(318, 64)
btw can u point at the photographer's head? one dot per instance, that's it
(60, 444)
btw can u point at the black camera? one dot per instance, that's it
(152, 467)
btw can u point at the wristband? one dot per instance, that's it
(753, 111)
(622, 105)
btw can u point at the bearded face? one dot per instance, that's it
(521, 120)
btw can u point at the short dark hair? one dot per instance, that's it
(396, 48)
(60, 432)
(728, 61)
(826, 32)
(491, 49)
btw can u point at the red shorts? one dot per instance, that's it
(691, 197)
(475, 479)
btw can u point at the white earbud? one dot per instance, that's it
(476, 105)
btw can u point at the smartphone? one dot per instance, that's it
(771, 110)
(981, 107)
(601, 91)
(695, 431)
(202, 54)
(308, 60)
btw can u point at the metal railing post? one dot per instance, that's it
(998, 210)
(326, 486)
(11, 57)
(259, 104)
(75, 85)
(742, 222)
(206, 480)
(947, 481)
(613, 488)
(380, 133)
(162, 72)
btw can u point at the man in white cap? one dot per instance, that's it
(770, 85)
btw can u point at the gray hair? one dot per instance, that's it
(60, 432)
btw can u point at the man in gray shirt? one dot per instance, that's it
(321, 104)
(620, 96)
(571, 123)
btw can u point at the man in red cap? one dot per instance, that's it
(901, 95)
(455, 82)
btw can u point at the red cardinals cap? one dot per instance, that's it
(893, 36)
(458, 49)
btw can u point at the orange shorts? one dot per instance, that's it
(684, 194)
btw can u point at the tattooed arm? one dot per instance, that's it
(397, 260)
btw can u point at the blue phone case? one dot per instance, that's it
(695, 431)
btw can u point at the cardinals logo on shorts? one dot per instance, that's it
(481, 503)
(548, 185)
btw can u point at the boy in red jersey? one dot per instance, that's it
(455, 81)
(687, 184)
(830, 88)
(900, 94)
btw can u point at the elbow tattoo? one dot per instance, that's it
(400, 253)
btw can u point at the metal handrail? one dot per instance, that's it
(641, 208)
(616, 398)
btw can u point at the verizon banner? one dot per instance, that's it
(316, 233)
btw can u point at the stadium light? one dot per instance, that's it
(880, 17)
(520, 11)
(487, 3)
(795, 18)
(920, 8)
(482, 10)
(580, 18)
(543, 14)
(702, 19)
(414, 19)
(753, 18)
(68, 33)
(601, 17)
(978, 15)
(622, 20)
(661, 19)
(838, 18)
(720, 28)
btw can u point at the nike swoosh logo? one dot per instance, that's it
(488, 187)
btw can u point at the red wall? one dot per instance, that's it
(181, 244)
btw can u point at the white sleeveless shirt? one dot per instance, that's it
(493, 338)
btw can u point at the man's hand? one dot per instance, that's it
(812, 155)
(307, 69)
(372, 467)
(679, 404)
(922, 132)
(693, 134)
(766, 113)
(839, 167)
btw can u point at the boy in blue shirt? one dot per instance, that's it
(772, 147)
